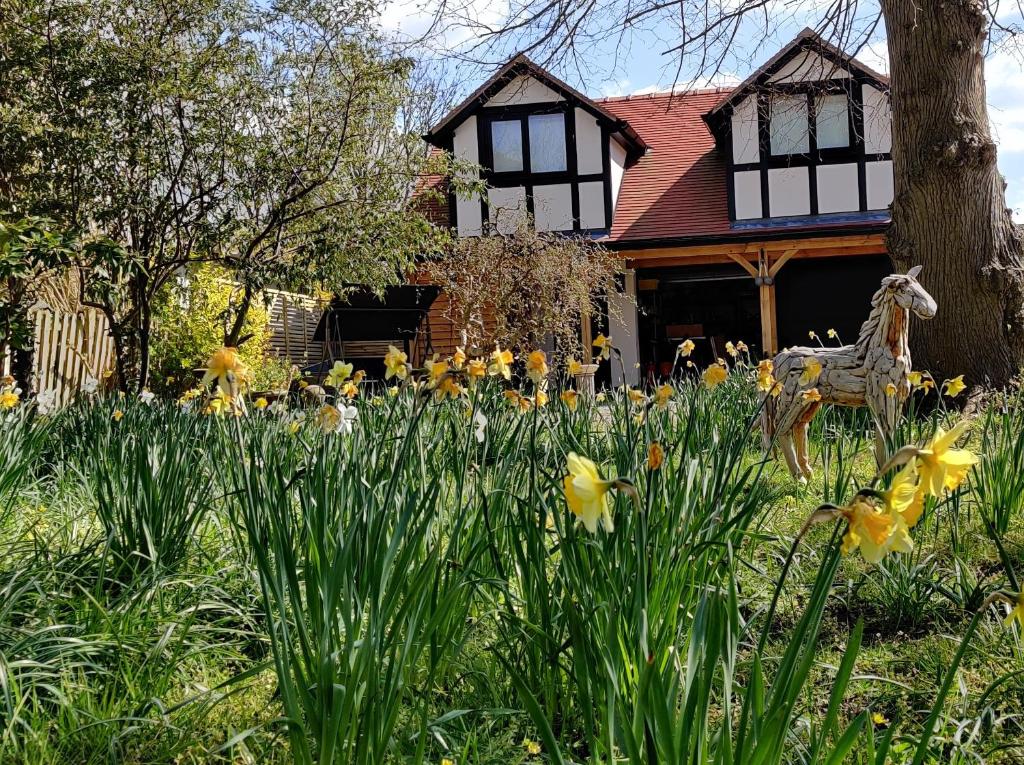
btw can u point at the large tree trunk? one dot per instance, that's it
(949, 213)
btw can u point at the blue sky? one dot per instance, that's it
(616, 65)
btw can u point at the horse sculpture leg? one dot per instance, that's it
(785, 442)
(800, 440)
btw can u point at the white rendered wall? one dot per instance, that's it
(837, 188)
(618, 167)
(808, 66)
(789, 192)
(524, 90)
(592, 205)
(588, 143)
(622, 328)
(747, 194)
(467, 209)
(552, 207)
(744, 132)
(506, 206)
(877, 121)
(879, 183)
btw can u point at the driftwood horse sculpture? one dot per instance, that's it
(872, 372)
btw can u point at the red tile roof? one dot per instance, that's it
(678, 189)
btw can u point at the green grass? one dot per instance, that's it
(188, 589)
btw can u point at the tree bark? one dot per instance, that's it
(949, 211)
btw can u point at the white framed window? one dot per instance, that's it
(547, 142)
(507, 145)
(788, 125)
(832, 121)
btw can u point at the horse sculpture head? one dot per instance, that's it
(908, 293)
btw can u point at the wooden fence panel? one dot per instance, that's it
(68, 347)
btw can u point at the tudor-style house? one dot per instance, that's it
(753, 212)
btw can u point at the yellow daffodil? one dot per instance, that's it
(921, 381)
(876, 532)
(227, 369)
(436, 369)
(458, 358)
(655, 456)
(811, 371)
(221, 403)
(765, 379)
(731, 349)
(339, 373)
(1017, 612)
(540, 399)
(942, 467)
(261, 403)
(359, 376)
(518, 400)
(570, 398)
(832, 334)
(812, 334)
(879, 719)
(349, 390)
(501, 363)
(449, 387)
(663, 394)
(476, 369)
(531, 747)
(890, 390)
(574, 367)
(395, 364)
(955, 386)
(714, 376)
(600, 397)
(903, 498)
(604, 346)
(117, 415)
(686, 347)
(393, 391)
(587, 493)
(742, 347)
(8, 399)
(537, 366)
(811, 396)
(447, 761)
(636, 396)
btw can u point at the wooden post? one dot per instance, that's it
(764, 278)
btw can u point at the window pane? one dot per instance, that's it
(788, 125)
(507, 143)
(547, 143)
(832, 122)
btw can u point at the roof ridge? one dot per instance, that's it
(667, 94)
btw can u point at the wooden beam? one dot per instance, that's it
(748, 267)
(711, 253)
(781, 261)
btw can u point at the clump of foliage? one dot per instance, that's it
(189, 325)
(524, 289)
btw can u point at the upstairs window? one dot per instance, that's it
(788, 125)
(507, 145)
(832, 121)
(547, 143)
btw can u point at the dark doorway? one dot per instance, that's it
(710, 305)
(815, 295)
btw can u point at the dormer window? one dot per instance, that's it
(788, 125)
(507, 144)
(832, 121)
(547, 143)
(543, 133)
